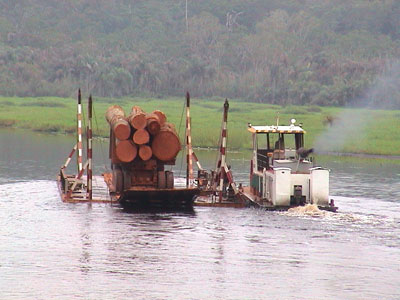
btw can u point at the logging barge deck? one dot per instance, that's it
(148, 197)
(79, 194)
(178, 197)
(141, 147)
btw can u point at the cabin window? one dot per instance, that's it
(299, 140)
(262, 146)
(270, 146)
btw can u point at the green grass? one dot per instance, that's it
(381, 134)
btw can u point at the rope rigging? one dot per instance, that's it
(101, 144)
(183, 138)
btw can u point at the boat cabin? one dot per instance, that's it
(281, 173)
(275, 146)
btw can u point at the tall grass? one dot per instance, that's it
(381, 135)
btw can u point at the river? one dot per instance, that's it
(53, 250)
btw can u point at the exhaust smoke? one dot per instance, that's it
(349, 126)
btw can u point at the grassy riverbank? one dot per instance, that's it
(379, 133)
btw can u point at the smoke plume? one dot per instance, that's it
(349, 126)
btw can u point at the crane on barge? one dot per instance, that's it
(217, 187)
(73, 187)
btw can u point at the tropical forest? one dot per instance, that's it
(293, 52)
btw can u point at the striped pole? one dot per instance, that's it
(196, 160)
(79, 124)
(223, 149)
(69, 157)
(229, 176)
(189, 150)
(89, 151)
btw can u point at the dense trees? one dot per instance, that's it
(327, 52)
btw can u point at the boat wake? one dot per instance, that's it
(306, 210)
(353, 215)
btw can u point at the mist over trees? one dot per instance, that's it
(326, 52)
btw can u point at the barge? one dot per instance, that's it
(143, 148)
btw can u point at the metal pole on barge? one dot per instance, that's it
(65, 165)
(89, 151)
(189, 150)
(222, 163)
(79, 131)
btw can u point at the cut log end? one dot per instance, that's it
(114, 111)
(145, 152)
(137, 118)
(122, 130)
(126, 151)
(141, 136)
(161, 116)
(153, 124)
(116, 118)
(138, 121)
(153, 128)
(166, 145)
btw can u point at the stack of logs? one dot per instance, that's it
(141, 142)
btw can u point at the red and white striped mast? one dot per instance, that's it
(189, 149)
(222, 161)
(79, 131)
(89, 151)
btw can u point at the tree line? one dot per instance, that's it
(327, 52)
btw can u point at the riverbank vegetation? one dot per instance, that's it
(327, 52)
(375, 132)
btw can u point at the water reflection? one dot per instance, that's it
(53, 250)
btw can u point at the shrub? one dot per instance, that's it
(49, 128)
(44, 104)
(7, 103)
(7, 123)
(313, 108)
(294, 110)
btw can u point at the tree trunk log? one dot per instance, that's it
(141, 136)
(153, 124)
(115, 116)
(166, 144)
(161, 116)
(137, 118)
(125, 151)
(145, 152)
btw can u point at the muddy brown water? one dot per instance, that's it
(52, 250)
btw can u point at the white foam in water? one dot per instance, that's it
(351, 212)
(306, 210)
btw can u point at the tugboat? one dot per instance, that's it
(282, 172)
